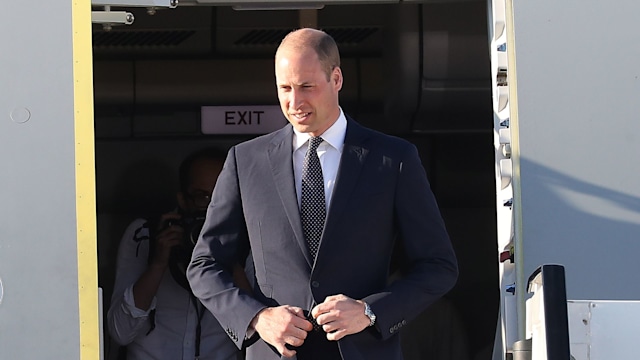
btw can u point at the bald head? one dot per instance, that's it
(316, 40)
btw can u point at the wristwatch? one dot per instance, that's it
(370, 314)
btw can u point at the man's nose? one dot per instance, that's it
(296, 99)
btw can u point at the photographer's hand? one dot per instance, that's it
(166, 238)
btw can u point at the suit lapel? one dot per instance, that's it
(280, 158)
(351, 163)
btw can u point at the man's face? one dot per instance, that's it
(308, 99)
(203, 174)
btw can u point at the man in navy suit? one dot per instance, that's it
(332, 300)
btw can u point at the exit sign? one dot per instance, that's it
(250, 119)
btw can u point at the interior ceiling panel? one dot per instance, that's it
(430, 59)
(261, 37)
(258, 33)
(181, 31)
(342, 36)
(141, 38)
(213, 31)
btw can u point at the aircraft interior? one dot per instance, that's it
(419, 70)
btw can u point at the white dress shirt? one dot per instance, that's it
(329, 153)
(176, 315)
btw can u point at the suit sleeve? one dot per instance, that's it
(223, 238)
(430, 269)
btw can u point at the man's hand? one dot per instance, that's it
(340, 316)
(282, 325)
(165, 239)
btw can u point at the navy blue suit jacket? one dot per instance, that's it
(381, 195)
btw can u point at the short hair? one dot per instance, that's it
(320, 42)
(186, 165)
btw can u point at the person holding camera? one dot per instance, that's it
(153, 311)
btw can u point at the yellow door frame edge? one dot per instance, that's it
(85, 181)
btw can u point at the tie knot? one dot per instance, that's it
(314, 142)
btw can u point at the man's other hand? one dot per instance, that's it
(282, 325)
(340, 315)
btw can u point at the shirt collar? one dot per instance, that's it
(334, 135)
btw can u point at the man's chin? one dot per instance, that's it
(303, 128)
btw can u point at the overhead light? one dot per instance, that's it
(136, 3)
(254, 4)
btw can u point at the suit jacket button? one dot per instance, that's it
(315, 284)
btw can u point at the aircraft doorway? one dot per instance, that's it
(418, 71)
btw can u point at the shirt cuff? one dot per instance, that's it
(130, 307)
(250, 332)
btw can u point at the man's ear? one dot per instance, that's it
(336, 78)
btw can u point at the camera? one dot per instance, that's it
(180, 255)
(192, 225)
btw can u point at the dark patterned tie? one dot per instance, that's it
(312, 203)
